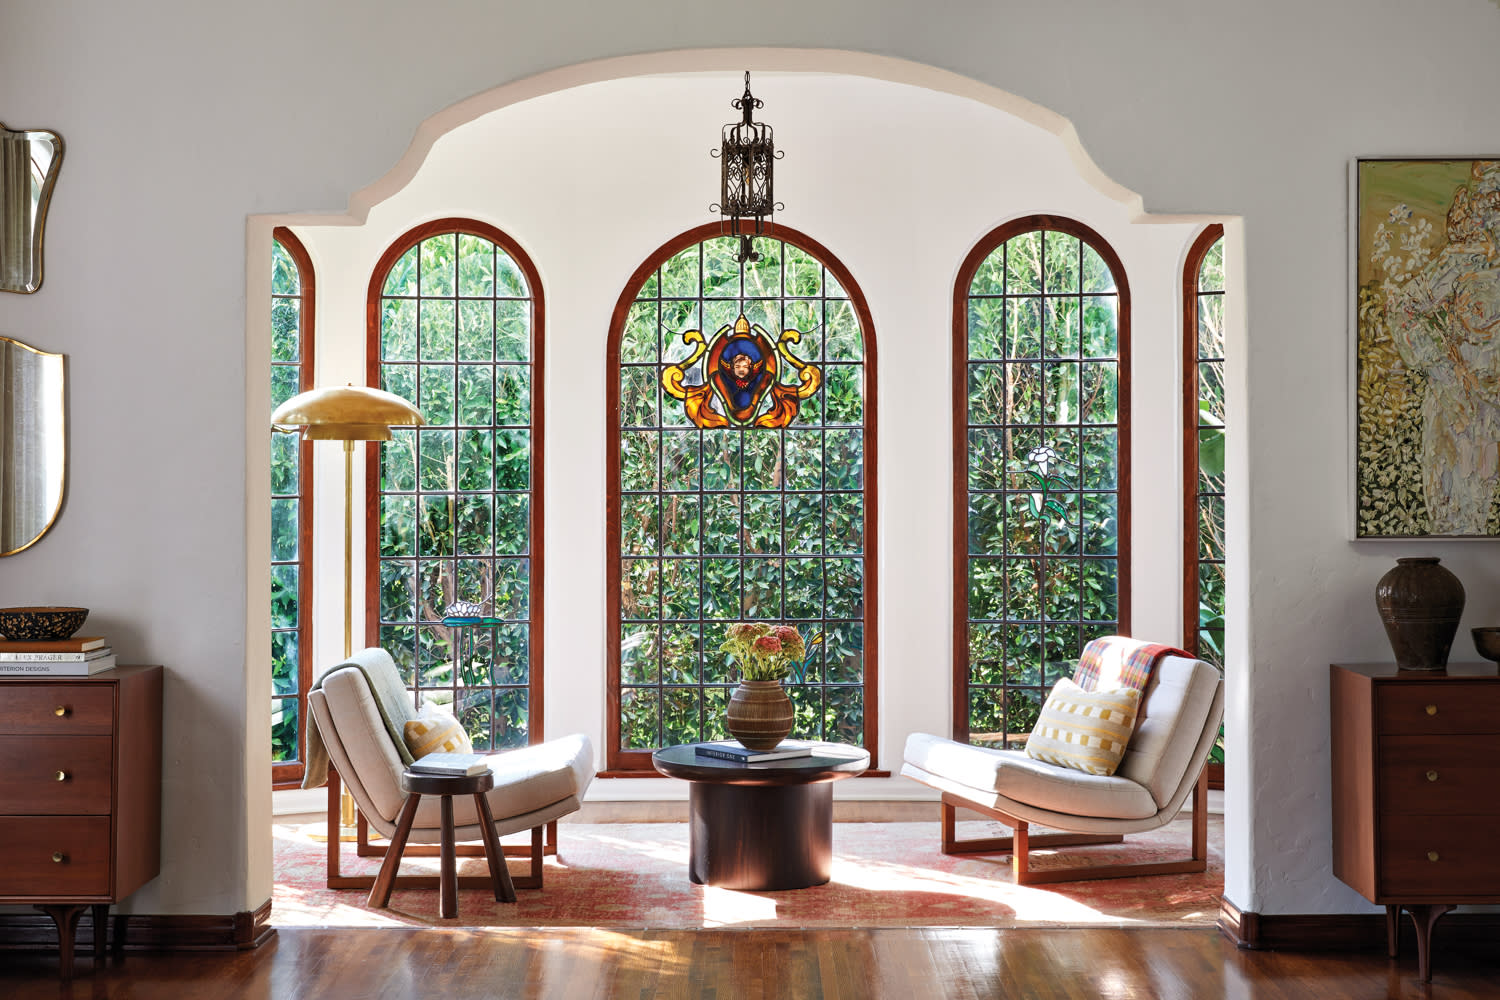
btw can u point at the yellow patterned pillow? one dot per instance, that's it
(1084, 730)
(433, 731)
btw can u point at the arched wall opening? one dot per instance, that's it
(896, 167)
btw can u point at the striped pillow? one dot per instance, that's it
(1084, 730)
(435, 731)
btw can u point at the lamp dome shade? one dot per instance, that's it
(345, 413)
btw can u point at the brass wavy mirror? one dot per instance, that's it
(29, 162)
(33, 444)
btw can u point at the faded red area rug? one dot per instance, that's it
(884, 875)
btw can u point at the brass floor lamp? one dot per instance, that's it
(346, 413)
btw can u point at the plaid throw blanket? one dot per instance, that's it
(1116, 661)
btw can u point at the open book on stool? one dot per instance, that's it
(457, 764)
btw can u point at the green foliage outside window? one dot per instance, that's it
(455, 339)
(1209, 498)
(286, 508)
(1043, 426)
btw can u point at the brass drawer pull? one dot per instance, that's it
(1431, 775)
(1432, 855)
(62, 775)
(61, 710)
(59, 857)
(1432, 710)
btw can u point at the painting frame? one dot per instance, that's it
(1424, 347)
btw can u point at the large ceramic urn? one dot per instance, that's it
(759, 714)
(1420, 604)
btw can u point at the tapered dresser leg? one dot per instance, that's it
(1426, 916)
(65, 916)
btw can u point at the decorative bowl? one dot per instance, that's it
(36, 624)
(1487, 641)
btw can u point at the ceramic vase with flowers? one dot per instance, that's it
(760, 713)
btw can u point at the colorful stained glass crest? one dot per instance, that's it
(742, 387)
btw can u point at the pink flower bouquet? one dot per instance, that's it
(768, 652)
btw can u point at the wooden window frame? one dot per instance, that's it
(637, 763)
(535, 709)
(1190, 389)
(288, 774)
(1191, 581)
(960, 396)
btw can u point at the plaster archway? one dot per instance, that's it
(457, 116)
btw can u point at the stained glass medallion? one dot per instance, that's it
(743, 387)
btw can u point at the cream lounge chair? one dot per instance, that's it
(1164, 762)
(359, 709)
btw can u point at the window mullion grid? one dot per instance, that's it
(780, 441)
(418, 494)
(659, 557)
(1202, 499)
(739, 450)
(1046, 367)
(700, 562)
(820, 690)
(1078, 580)
(455, 643)
(1006, 555)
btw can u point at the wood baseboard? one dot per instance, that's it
(146, 932)
(1342, 931)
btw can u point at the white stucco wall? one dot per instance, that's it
(183, 119)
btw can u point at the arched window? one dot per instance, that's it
(291, 510)
(1041, 444)
(1203, 453)
(751, 520)
(454, 325)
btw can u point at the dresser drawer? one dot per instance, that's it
(1439, 857)
(30, 767)
(1441, 707)
(1438, 774)
(54, 856)
(60, 708)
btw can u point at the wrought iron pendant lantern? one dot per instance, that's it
(747, 200)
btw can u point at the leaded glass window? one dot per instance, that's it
(456, 329)
(291, 509)
(1204, 326)
(713, 525)
(1041, 456)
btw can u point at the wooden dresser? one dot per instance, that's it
(1416, 755)
(80, 794)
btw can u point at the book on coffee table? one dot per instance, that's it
(452, 764)
(735, 750)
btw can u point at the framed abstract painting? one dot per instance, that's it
(1426, 366)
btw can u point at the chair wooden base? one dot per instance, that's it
(337, 880)
(1023, 841)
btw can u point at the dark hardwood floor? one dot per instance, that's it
(571, 964)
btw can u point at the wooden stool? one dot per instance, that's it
(417, 785)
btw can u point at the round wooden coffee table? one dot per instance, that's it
(761, 826)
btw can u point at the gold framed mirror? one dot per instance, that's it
(33, 443)
(29, 162)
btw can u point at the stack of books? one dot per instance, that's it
(76, 657)
(451, 764)
(737, 751)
